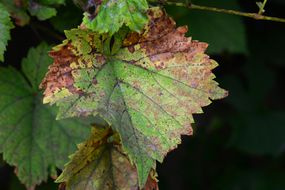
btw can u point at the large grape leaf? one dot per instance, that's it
(5, 27)
(111, 15)
(100, 164)
(147, 90)
(30, 138)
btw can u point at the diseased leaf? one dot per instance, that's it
(100, 164)
(5, 27)
(111, 15)
(147, 90)
(30, 138)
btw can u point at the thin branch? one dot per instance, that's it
(261, 7)
(226, 11)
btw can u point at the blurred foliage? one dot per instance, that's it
(241, 144)
(222, 32)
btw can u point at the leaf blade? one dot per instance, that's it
(6, 25)
(30, 138)
(147, 91)
(113, 14)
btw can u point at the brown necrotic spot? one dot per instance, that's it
(60, 73)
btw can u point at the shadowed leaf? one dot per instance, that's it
(100, 164)
(5, 27)
(30, 138)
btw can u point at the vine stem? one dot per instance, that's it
(256, 16)
(261, 8)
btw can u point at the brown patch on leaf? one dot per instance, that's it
(59, 74)
(132, 38)
(62, 186)
(151, 183)
(160, 38)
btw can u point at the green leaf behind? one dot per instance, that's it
(113, 14)
(5, 26)
(30, 137)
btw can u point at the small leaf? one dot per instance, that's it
(113, 14)
(30, 138)
(5, 26)
(147, 90)
(42, 12)
(17, 11)
(101, 165)
(260, 6)
(52, 2)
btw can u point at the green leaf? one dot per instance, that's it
(19, 13)
(113, 14)
(223, 32)
(5, 26)
(99, 164)
(42, 12)
(51, 2)
(259, 134)
(68, 16)
(147, 90)
(30, 138)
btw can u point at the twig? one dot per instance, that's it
(261, 7)
(256, 16)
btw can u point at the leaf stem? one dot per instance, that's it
(256, 16)
(261, 8)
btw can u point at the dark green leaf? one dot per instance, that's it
(30, 138)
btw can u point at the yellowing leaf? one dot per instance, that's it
(100, 164)
(147, 90)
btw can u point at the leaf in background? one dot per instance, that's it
(5, 26)
(51, 2)
(30, 137)
(257, 129)
(42, 12)
(99, 164)
(68, 16)
(147, 90)
(18, 12)
(251, 179)
(260, 134)
(223, 32)
(43, 9)
(113, 14)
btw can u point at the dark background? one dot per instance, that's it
(239, 142)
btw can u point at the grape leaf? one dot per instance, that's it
(100, 164)
(113, 14)
(5, 26)
(147, 90)
(30, 138)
